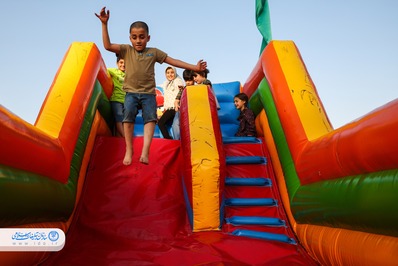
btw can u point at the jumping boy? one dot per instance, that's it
(139, 82)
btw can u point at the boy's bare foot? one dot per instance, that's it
(144, 159)
(128, 157)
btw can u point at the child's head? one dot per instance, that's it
(120, 63)
(170, 73)
(140, 25)
(241, 100)
(200, 76)
(139, 35)
(187, 75)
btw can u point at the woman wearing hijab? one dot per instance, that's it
(170, 89)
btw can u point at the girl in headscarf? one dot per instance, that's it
(170, 89)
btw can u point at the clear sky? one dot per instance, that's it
(349, 47)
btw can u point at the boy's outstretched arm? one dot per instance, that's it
(200, 66)
(104, 17)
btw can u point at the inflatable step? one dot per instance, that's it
(237, 140)
(254, 220)
(264, 235)
(269, 202)
(246, 160)
(248, 181)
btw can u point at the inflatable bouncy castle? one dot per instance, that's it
(300, 193)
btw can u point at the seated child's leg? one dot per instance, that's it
(176, 126)
(149, 129)
(164, 121)
(119, 129)
(128, 137)
(117, 109)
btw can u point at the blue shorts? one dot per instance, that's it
(117, 109)
(135, 101)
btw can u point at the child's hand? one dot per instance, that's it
(176, 105)
(104, 15)
(201, 65)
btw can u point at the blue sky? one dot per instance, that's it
(349, 47)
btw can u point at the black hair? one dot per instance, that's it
(243, 97)
(140, 24)
(187, 75)
(202, 73)
(118, 57)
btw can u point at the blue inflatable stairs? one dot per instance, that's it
(251, 199)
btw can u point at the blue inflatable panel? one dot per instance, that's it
(236, 140)
(248, 181)
(251, 202)
(226, 91)
(246, 160)
(228, 130)
(139, 127)
(255, 220)
(228, 114)
(264, 236)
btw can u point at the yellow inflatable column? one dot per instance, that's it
(204, 159)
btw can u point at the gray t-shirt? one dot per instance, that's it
(140, 68)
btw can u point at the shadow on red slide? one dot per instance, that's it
(136, 215)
